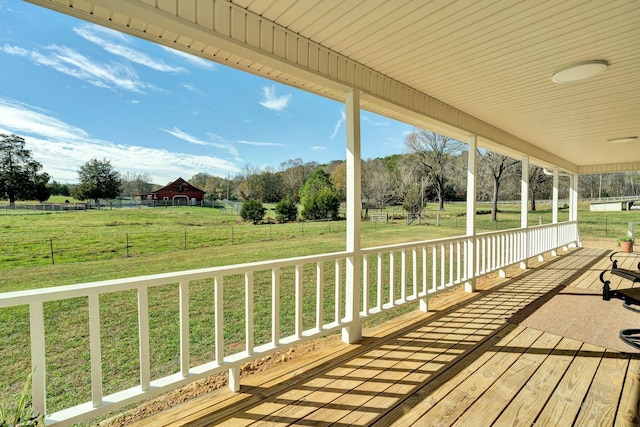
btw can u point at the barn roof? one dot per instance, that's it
(178, 186)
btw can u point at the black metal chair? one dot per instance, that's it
(629, 296)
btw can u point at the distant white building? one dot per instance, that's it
(613, 205)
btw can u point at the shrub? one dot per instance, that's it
(324, 204)
(286, 210)
(252, 210)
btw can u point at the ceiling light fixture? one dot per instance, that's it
(580, 71)
(623, 139)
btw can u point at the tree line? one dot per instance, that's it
(432, 169)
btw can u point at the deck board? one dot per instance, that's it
(564, 405)
(627, 415)
(601, 402)
(497, 398)
(463, 363)
(524, 408)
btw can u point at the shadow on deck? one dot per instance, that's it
(466, 362)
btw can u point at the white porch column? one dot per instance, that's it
(353, 331)
(573, 203)
(573, 197)
(524, 209)
(555, 206)
(472, 166)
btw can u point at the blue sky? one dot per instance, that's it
(77, 91)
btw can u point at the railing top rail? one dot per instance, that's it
(531, 227)
(11, 299)
(407, 245)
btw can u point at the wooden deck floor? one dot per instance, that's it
(463, 364)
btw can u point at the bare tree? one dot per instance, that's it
(293, 177)
(539, 182)
(136, 184)
(435, 153)
(407, 186)
(377, 187)
(199, 180)
(496, 166)
(337, 170)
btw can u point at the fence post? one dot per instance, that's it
(51, 246)
(127, 244)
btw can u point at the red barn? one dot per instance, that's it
(179, 192)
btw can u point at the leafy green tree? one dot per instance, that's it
(20, 176)
(98, 180)
(324, 204)
(286, 210)
(316, 182)
(252, 210)
(58, 189)
(319, 198)
(41, 191)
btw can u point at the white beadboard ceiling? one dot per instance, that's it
(458, 67)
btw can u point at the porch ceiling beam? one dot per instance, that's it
(609, 168)
(221, 31)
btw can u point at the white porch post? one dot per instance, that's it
(554, 208)
(555, 205)
(573, 203)
(472, 166)
(573, 197)
(353, 331)
(524, 209)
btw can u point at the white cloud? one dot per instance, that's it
(261, 144)
(341, 120)
(63, 148)
(72, 63)
(20, 118)
(318, 148)
(273, 102)
(93, 34)
(216, 141)
(14, 50)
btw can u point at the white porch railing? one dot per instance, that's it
(391, 276)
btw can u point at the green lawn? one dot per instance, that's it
(92, 245)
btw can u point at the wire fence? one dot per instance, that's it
(113, 242)
(116, 240)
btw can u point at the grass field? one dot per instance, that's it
(105, 244)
